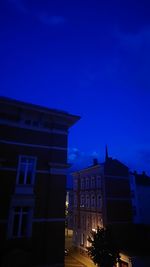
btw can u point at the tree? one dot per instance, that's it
(103, 250)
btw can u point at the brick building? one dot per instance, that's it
(33, 162)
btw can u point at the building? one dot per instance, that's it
(140, 196)
(69, 209)
(101, 197)
(33, 163)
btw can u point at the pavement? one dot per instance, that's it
(81, 258)
(76, 255)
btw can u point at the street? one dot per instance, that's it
(75, 258)
(71, 262)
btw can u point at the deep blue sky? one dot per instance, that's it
(90, 58)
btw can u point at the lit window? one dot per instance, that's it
(26, 170)
(21, 221)
(93, 222)
(82, 201)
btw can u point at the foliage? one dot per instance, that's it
(103, 250)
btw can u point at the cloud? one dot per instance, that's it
(81, 158)
(44, 17)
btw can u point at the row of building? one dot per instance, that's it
(104, 194)
(33, 166)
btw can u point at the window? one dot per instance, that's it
(83, 224)
(87, 201)
(88, 222)
(92, 201)
(92, 182)
(93, 222)
(98, 181)
(82, 201)
(21, 221)
(75, 200)
(87, 183)
(99, 201)
(26, 170)
(82, 183)
(82, 239)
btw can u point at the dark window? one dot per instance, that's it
(26, 170)
(21, 222)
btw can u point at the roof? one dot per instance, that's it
(69, 118)
(88, 168)
(142, 179)
(115, 167)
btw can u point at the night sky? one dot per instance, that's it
(90, 58)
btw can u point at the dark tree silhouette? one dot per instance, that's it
(103, 250)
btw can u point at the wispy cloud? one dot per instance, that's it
(81, 158)
(44, 17)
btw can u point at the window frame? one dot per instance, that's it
(27, 168)
(21, 212)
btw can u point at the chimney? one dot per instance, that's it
(95, 161)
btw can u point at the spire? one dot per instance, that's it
(106, 153)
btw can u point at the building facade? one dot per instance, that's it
(140, 196)
(33, 162)
(101, 197)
